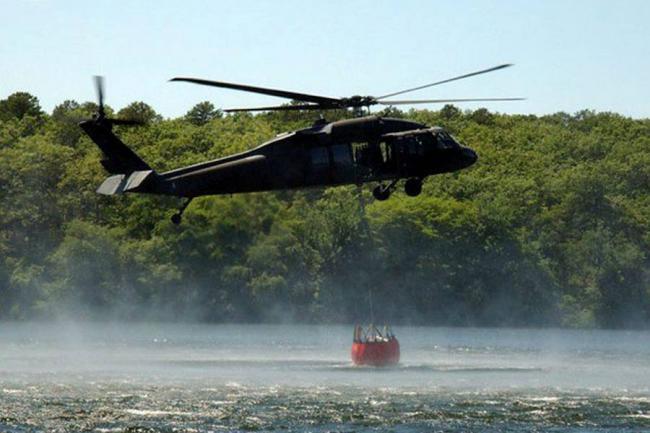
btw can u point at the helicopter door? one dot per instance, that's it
(410, 153)
(388, 164)
(343, 166)
(367, 161)
(319, 172)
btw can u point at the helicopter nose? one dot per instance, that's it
(469, 156)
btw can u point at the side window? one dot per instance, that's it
(359, 151)
(386, 151)
(320, 157)
(342, 155)
(415, 145)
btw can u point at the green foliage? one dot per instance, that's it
(139, 111)
(449, 112)
(550, 228)
(202, 113)
(86, 267)
(65, 121)
(20, 105)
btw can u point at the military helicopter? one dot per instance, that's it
(352, 151)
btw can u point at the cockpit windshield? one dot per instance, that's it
(445, 141)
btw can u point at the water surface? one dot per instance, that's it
(170, 377)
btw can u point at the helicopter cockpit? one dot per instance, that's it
(444, 141)
(423, 141)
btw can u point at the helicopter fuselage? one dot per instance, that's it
(354, 151)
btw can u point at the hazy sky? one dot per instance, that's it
(569, 55)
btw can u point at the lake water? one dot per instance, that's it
(189, 378)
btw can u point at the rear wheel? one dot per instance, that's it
(413, 187)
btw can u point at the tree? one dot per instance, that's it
(65, 121)
(62, 111)
(139, 111)
(482, 116)
(19, 105)
(202, 113)
(449, 112)
(87, 267)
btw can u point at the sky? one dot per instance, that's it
(568, 55)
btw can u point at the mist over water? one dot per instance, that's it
(173, 377)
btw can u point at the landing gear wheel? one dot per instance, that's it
(178, 216)
(381, 193)
(413, 187)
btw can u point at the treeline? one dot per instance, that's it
(550, 228)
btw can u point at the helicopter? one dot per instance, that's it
(358, 150)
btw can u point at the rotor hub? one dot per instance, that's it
(358, 101)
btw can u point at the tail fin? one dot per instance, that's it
(130, 172)
(119, 159)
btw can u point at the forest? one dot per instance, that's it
(550, 228)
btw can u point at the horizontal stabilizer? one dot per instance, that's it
(113, 185)
(121, 183)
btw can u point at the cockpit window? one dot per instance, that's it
(445, 141)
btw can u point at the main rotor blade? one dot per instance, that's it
(440, 101)
(283, 108)
(460, 77)
(99, 87)
(265, 91)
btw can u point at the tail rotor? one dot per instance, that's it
(101, 113)
(99, 88)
